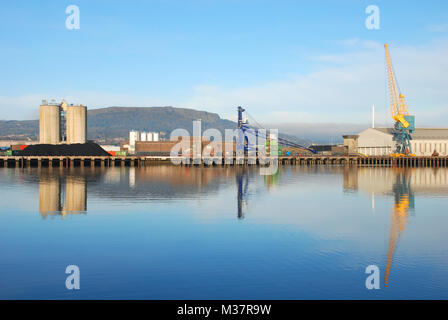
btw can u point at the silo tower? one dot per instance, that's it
(76, 123)
(50, 123)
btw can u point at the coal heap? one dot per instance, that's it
(77, 149)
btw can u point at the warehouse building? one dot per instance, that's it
(163, 148)
(379, 142)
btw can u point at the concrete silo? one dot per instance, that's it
(76, 123)
(50, 124)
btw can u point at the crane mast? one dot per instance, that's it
(404, 122)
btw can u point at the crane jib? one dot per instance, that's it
(404, 122)
(281, 141)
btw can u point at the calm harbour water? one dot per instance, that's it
(167, 232)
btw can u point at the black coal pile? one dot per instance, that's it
(77, 149)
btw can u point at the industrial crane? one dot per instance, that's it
(243, 124)
(404, 123)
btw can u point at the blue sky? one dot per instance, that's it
(286, 61)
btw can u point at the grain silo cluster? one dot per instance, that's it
(62, 123)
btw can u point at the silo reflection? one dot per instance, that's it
(49, 196)
(62, 196)
(75, 195)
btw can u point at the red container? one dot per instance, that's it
(23, 146)
(112, 153)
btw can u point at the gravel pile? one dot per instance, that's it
(78, 149)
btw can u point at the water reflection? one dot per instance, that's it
(304, 225)
(242, 181)
(65, 192)
(404, 201)
(403, 184)
(62, 195)
(381, 181)
(161, 182)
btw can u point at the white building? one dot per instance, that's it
(379, 141)
(133, 136)
(141, 136)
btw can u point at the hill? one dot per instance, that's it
(115, 122)
(112, 124)
(19, 130)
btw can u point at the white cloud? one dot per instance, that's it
(369, 44)
(341, 89)
(345, 90)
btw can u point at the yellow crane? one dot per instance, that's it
(404, 122)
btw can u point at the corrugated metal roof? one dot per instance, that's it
(423, 133)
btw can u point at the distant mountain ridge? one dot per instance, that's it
(19, 130)
(115, 122)
(112, 124)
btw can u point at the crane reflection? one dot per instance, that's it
(242, 181)
(399, 216)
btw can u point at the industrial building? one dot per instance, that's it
(163, 148)
(136, 136)
(62, 123)
(379, 142)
